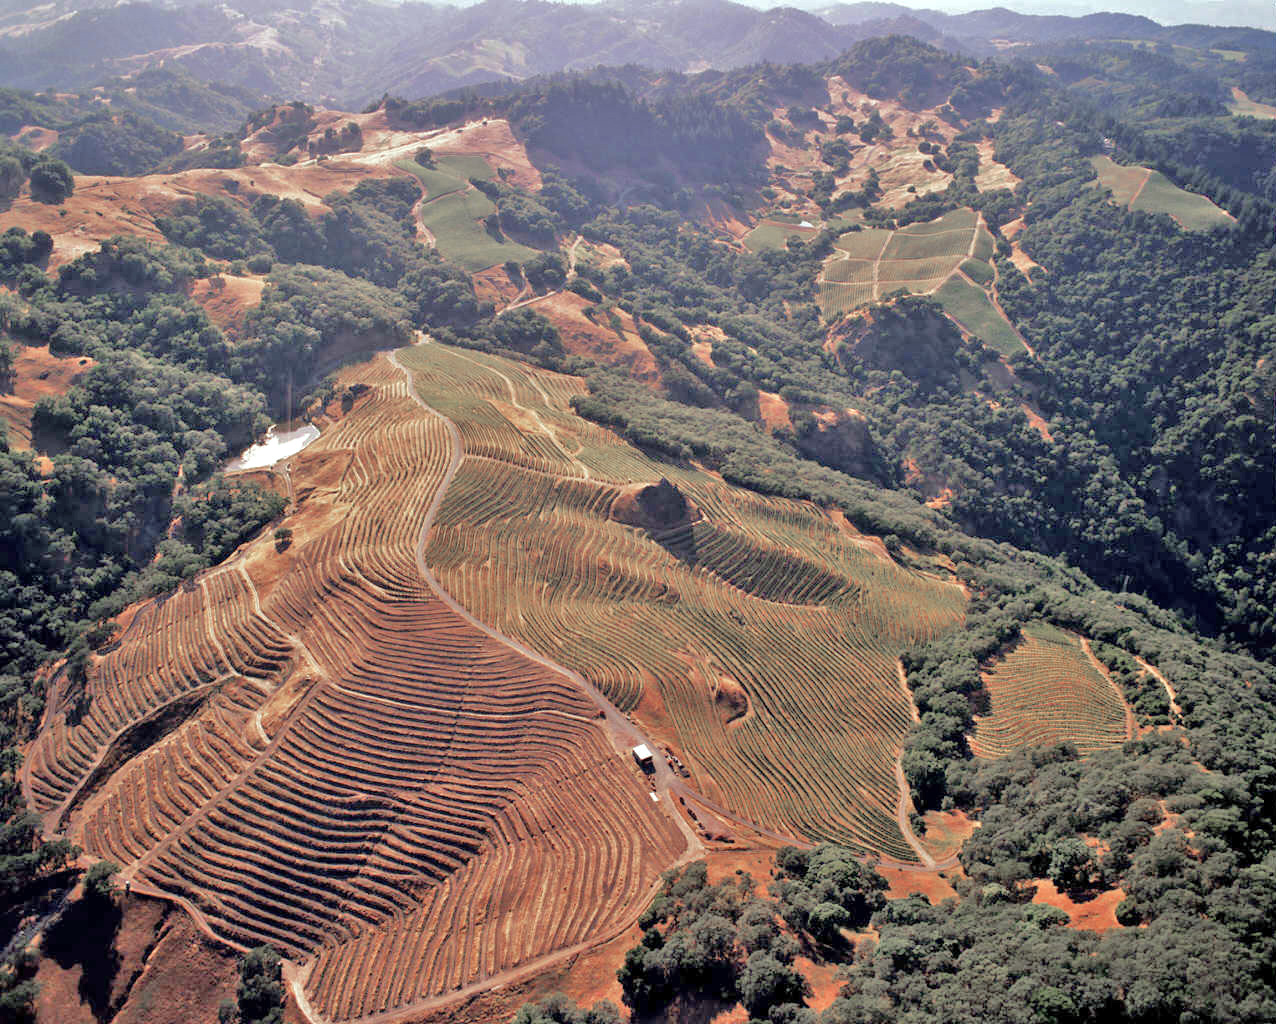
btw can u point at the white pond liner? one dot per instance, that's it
(275, 448)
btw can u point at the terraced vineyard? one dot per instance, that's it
(761, 634)
(313, 750)
(1048, 690)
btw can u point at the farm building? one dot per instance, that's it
(646, 761)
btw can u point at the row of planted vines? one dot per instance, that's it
(1045, 690)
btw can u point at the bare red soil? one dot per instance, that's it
(36, 373)
(703, 350)
(36, 138)
(946, 831)
(1037, 422)
(227, 297)
(933, 885)
(596, 338)
(141, 962)
(1096, 915)
(494, 285)
(103, 207)
(935, 489)
(825, 984)
(774, 411)
(1024, 263)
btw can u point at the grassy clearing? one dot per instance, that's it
(963, 219)
(984, 244)
(846, 220)
(891, 274)
(905, 246)
(1123, 182)
(845, 271)
(449, 174)
(866, 244)
(1139, 188)
(773, 234)
(972, 308)
(466, 167)
(978, 271)
(780, 217)
(454, 220)
(839, 297)
(1243, 105)
(436, 182)
(775, 229)
(1193, 212)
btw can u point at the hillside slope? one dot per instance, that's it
(314, 751)
(347, 52)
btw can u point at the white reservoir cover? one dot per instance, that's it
(275, 448)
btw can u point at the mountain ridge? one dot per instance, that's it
(348, 52)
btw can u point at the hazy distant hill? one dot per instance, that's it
(347, 52)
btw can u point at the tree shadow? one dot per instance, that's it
(84, 936)
(681, 543)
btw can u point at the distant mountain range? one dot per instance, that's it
(348, 52)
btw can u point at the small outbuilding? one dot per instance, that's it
(643, 755)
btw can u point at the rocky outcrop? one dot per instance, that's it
(659, 506)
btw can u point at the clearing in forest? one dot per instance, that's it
(971, 307)
(453, 211)
(1140, 188)
(756, 636)
(36, 373)
(1049, 689)
(873, 262)
(1242, 105)
(774, 230)
(948, 257)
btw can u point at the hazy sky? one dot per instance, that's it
(1255, 13)
(1168, 12)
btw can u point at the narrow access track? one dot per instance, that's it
(1131, 723)
(1175, 710)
